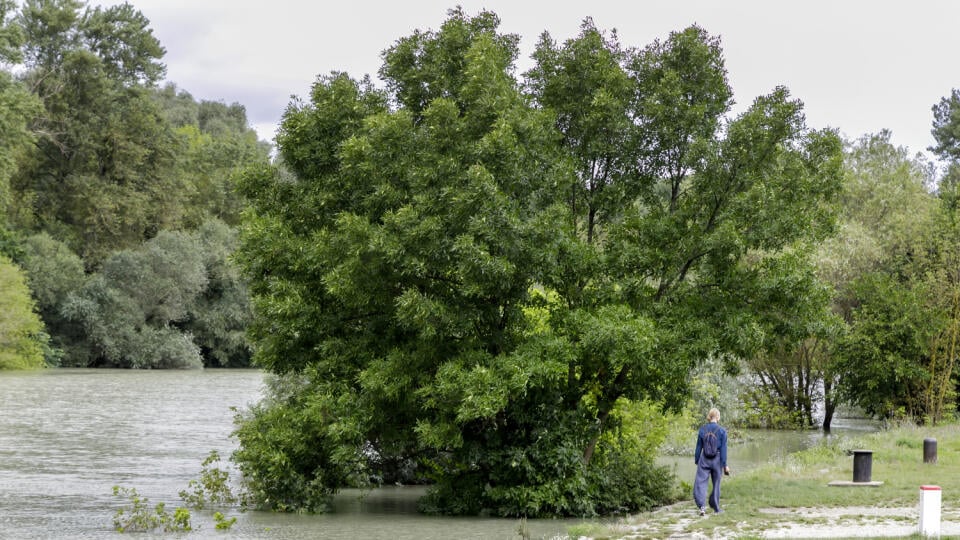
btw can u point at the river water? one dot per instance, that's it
(751, 448)
(67, 436)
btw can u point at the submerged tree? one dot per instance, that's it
(475, 284)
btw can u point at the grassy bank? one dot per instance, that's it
(770, 496)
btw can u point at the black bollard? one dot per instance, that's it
(929, 450)
(862, 465)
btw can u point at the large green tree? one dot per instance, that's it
(97, 178)
(478, 281)
(887, 269)
(696, 211)
(17, 108)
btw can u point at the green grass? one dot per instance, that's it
(800, 481)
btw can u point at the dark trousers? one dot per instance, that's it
(712, 470)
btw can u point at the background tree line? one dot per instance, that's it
(117, 204)
(889, 342)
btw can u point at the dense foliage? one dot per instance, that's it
(879, 267)
(22, 340)
(885, 212)
(901, 352)
(472, 280)
(99, 168)
(157, 306)
(894, 270)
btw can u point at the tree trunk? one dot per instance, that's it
(829, 406)
(592, 445)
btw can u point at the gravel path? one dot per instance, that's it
(846, 522)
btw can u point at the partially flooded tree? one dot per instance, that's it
(479, 282)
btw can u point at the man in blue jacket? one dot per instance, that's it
(711, 459)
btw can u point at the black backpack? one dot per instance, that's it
(711, 444)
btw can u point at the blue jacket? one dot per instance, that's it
(722, 439)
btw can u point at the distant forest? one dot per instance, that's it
(117, 206)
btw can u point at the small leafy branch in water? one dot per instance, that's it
(222, 523)
(139, 518)
(213, 487)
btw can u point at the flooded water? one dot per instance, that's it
(754, 447)
(67, 436)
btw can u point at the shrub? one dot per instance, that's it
(213, 486)
(294, 454)
(139, 518)
(22, 340)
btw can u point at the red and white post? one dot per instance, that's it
(930, 511)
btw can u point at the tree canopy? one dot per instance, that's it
(116, 159)
(474, 275)
(96, 163)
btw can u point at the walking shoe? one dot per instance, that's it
(703, 511)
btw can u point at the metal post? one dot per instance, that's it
(862, 465)
(929, 450)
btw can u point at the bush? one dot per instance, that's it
(175, 302)
(139, 518)
(22, 339)
(548, 478)
(213, 487)
(293, 454)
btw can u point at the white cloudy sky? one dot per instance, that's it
(859, 66)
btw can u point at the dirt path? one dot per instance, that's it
(847, 522)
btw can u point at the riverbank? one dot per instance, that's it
(790, 497)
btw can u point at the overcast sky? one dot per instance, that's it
(858, 66)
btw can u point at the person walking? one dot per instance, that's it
(711, 459)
